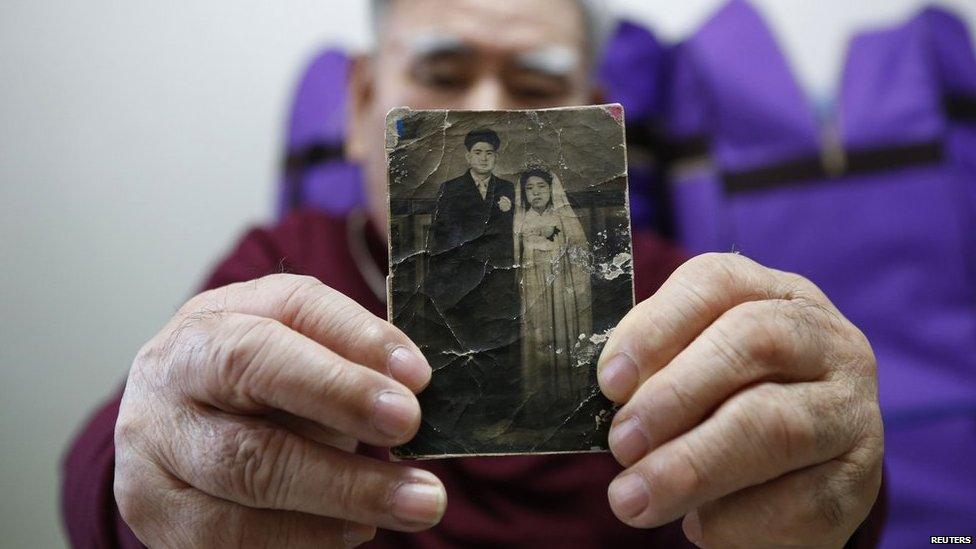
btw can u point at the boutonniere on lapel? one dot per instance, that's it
(552, 235)
(504, 204)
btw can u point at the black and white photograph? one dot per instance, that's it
(510, 263)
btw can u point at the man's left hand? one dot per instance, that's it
(749, 407)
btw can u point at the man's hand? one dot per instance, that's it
(749, 407)
(504, 204)
(240, 418)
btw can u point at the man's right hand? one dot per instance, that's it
(240, 420)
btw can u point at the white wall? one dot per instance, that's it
(137, 139)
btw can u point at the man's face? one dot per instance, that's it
(481, 158)
(464, 54)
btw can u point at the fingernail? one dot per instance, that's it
(419, 503)
(692, 527)
(618, 378)
(628, 442)
(355, 534)
(409, 367)
(628, 495)
(393, 414)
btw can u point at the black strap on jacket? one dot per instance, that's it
(810, 169)
(961, 108)
(958, 108)
(312, 155)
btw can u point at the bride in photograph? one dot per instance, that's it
(555, 263)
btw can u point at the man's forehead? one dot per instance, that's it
(483, 145)
(498, 26)
(554, 59)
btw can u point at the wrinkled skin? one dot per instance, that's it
(749, 407)
(239, 418)
(754, 401)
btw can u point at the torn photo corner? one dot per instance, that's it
(510, 264)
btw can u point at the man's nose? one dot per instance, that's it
(488, 93)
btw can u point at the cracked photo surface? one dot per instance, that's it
(510, 264)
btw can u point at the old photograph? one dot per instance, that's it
(510, 264)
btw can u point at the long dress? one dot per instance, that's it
(556, 307)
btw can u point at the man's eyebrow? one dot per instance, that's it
(558, 61)
(437, 45)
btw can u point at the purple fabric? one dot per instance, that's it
(930, 468)
(951, 49)
(318, 119)
(700, 218)
(955, 58)
(888, 84)
(632, 74)
(757, 112)
(687, 111)
(895, 249)
(906, 279)
(334, 187)
(319, 109)
(914, 68)
(697, 203)
(645, 185)
(888, 250)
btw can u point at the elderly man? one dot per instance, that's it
(749, 403)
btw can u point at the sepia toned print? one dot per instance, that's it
(509, 266)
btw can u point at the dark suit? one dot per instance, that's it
(472, 272)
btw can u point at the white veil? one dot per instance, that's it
(576, 260)
(570, 225)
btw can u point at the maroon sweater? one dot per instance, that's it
(505, 501)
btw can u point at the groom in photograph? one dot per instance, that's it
(472, 275)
